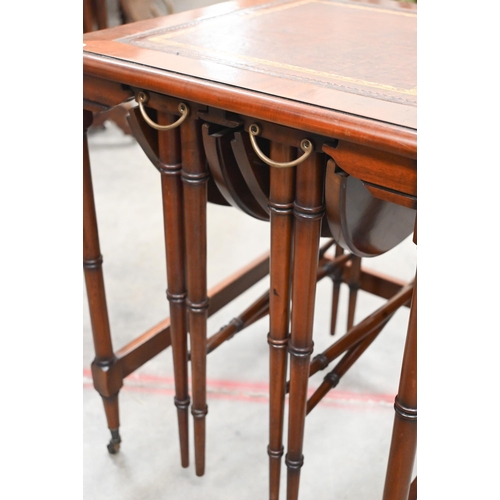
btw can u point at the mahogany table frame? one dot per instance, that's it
(110, 368)
(388, 173)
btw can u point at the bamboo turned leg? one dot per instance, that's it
(105, 373)
(404, 434)
(95, 15)
(353, 284)
(337, 281)
(413, 490)
(195, 177)
(308, 210)
(88, 16)
(170, 169)
(100, 13)
(281, 206)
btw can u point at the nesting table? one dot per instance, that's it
(302, 113)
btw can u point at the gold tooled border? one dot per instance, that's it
(166, 39)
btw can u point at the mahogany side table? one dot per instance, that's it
(324, 93)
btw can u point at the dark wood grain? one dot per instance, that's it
(225, 172)
(254, 172)
(361, 223)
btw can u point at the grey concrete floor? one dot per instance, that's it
(347, 435)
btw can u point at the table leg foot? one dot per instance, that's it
(274, 472)
(199, 440)
(106, 374)
(293, 478)
(114, 444)
(183, 426)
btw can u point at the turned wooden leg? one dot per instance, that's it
(195, 177)
(100, 13)
(337, 281)
(105, 372)
(308, 210)
(353, 283)
(404, 434)
(88, 16)
(413, 490)
(281, 205)
(169, 152)
(95, 16)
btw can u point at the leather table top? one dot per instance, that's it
(354, 57)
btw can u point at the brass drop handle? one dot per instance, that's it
(183, 108)
(305, 145)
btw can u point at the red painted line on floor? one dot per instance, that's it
(257, 392)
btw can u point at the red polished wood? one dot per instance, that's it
(362, 116)
(381, 110)
(413, 490)
(106, 377)
(186, 48)
(147, 137)
(336, 281)
(308, 211)
(195, 178)
(95, 15)
(354, 285)
(169, 156)
(404, 434)
(282, 187)
(381, 168)
(360, 222)
(228, 177)
(377, 135)
(255, 173)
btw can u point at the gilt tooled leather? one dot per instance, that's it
(349, 46)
